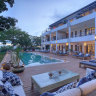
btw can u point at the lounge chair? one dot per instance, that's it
(87, 57)
(63, 53)
(76, 53)
(87, 64)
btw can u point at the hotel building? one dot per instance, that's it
(75, 32)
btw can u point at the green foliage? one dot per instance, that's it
(36, 41)
(6, 22)
(2, 55)
(3, 4)
(16, 36)
(18, 50)
(6, 48)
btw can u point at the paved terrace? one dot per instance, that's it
(72, 65)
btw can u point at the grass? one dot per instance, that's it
(2, 55)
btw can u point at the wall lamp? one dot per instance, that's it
(95, 37)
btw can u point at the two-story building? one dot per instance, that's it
(75, 32)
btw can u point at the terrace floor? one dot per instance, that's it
(72, 65)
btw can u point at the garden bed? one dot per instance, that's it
(2, 55)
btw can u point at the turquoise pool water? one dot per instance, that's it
(31, 59)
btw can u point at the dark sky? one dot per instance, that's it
(34, 16)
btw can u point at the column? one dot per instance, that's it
(50, 42)
(83, 47)
(95, 38)
(56, 47)
(56, 40)
(50, 37)
(44, 47)
(56, 35)
(69, 29)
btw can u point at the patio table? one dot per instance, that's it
(43, 83)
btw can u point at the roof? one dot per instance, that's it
(84, 9)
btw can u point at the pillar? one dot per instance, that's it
(83, 48)
(56, 40)
(69, 29)
(50, 37)
(50, 42)
(56, 35)
(56, 47)
(95, 38)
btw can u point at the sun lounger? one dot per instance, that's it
(87, 64)
(63, 54)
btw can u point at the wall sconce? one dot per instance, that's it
(66, 44)
(84, 44)
(51, 45)
(95, 37)
(56, 41)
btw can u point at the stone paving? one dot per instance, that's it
(72, 65)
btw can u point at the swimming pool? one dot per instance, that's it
(31, 59)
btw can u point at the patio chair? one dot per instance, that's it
(80, 56)
(87, 64)
(87, 56)
(75, 53)
(63, 53)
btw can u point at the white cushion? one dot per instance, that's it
(88, 87)
(70, 92)
(1, 83)
(88, 71)
(19, 90)
(1, 74)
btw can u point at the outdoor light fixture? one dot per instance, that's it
(95, 37)
(67, 44)
(56, 41)
(84, 44)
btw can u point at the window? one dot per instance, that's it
(71, 47)
(71, 34)
(75, 33)
(75, 47)
(80, 32)
(85, 32)
(66, 35)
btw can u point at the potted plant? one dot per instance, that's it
(17, 67)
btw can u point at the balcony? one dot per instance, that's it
(82, 19)
(83, 38)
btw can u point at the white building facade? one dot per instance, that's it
(75, 32)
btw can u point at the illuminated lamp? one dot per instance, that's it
(66, 44)
(95, 37)
(84, 44)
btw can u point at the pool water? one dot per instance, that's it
(31, 59)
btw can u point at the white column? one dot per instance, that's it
(44, 47)
(95, 35)
(69, 29)
(50, 42)
(50, 37)
(56, 40)
(83, 47)
(56, 35)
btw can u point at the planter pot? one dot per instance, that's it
(18, 69)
